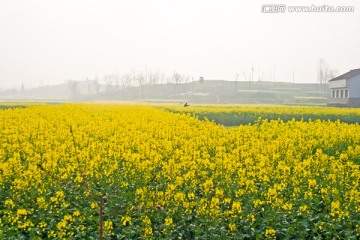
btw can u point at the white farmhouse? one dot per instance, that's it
(345, 90)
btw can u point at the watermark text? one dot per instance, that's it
(282, 8)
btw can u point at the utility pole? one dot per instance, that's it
(274, 74)
(146, 74)
(252, 74)
(293, 77)
(236, 82)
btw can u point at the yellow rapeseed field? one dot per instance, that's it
(232, 114)
(164, 175)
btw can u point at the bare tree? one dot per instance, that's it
(88, 85)
(127, 80)
(177, 79)
(108, 82)
(322, 71)
(162, 78)
(332, 74)
(154, 77)
(325, 73)
(73, 89)
(140, 80)
(97, 85)
(186, 82)
(114, 79)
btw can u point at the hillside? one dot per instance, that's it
(211, 91)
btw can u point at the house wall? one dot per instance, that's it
(338, 100)
(354, 86)
(337, 83)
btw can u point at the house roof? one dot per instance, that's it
(347, 75)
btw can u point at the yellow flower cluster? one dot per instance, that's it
(270, 233)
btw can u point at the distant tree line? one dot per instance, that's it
(139, 79)
(142, 78)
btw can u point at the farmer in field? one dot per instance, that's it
(186, 104)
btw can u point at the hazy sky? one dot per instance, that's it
(50, 41)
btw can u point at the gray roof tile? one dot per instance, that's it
(347, 75)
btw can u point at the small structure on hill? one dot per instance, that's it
(345, 90)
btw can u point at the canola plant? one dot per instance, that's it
(148, 173)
